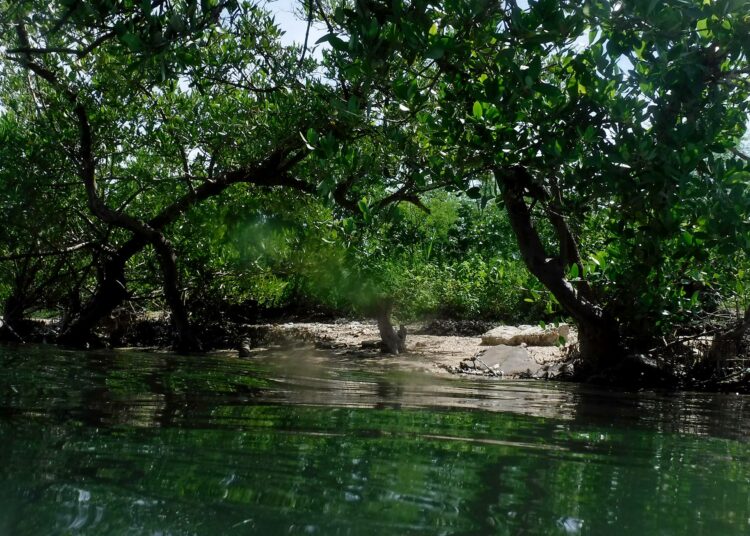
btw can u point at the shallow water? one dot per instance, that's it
(305, 443)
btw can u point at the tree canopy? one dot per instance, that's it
(615, 124)
(135, 135)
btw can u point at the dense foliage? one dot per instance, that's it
(615, 124)
(468, 159)
(456, 261)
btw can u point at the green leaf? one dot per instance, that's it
(307, 143)
(132, 41)
(435, 52)
(702, 27)
(312, 136)
(364, 207)
(327, 37)
(336, 42)
(477, 109)
(353, 104)
(434, 29)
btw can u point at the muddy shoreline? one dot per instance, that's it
(425, 349)
(435, 347)
(438, 346)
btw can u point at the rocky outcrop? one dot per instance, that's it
(529, 335)
(508, 361)
(511, 362)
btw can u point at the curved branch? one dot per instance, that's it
(548, 269)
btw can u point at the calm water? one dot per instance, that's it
(126, 443)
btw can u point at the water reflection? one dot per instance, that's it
(125, 443)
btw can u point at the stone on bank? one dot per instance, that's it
(529, 335)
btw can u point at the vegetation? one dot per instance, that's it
(469, 159)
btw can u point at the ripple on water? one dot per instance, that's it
(133, 443)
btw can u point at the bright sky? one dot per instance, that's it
(289, 15)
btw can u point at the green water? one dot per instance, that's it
(303, 443)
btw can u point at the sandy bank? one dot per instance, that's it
(433, 353)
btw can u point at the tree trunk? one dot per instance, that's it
(186, 341)
(13, 309)
(110, 293)
(393, 342)
(600, 343)
(10, 320)
(18, 301)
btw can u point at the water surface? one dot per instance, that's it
(305, 443)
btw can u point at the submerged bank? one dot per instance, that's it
(441, 346)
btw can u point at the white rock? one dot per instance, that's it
(529, 335)
(508, 360)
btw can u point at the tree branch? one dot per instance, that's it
(307, 31)
(549, 270)
(79, 53)
(39, 254)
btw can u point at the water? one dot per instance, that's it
(304, 443)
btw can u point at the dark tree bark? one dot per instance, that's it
(186, 339)
(17, 302)
(11, 318)
(110, 293)
(13, 309)
(599, 338)
(112, 290)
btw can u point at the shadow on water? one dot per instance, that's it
(305, 442)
